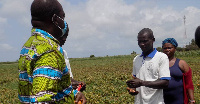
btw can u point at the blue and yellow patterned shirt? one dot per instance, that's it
(43, 75)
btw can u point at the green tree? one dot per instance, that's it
(133, 53)
(192, 46)
(91, 56)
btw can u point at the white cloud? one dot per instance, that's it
(104, 27)
(16, 10)
(5, 47)
(3, 21)
(108, 11)
(8, 53)
(108, 20)
(13, 8)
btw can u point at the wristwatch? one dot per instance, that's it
(192, 101)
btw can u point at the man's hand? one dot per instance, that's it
(76, 84)
(83, 87)
(134, 83)
(80, 97)
(132, 91)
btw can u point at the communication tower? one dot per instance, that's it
(185, 35)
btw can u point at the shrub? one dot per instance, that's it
(91, 56)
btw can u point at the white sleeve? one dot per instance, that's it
(134, 70)
(164, 72)
(67, 63)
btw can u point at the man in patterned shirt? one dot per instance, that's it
(43, 77)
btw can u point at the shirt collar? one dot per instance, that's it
(45, 34)
(151, 55)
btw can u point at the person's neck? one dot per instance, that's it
(171, 58)
(148, 52)
(42, 25)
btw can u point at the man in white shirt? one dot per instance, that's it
(150, 71)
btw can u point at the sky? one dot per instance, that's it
(102, 27)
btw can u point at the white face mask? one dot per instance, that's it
(65, 28)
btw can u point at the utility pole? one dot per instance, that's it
(185, 36)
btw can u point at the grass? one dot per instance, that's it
(8, 83)
(105, 78)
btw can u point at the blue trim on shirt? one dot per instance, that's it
(75, 92)
(165, 78)
(48, 72)
(24, 51)
(60, 95)
(44, 33)
(65, 70)
(25, 77)
(26, 99)
(151, 55)
(61, 50)
(34, 56)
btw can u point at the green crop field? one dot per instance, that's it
(105, 78)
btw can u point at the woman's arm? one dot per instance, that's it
(187, 72)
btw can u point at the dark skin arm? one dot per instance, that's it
(76, 83)
(79, 97)
(185, 68)
(191, 95)
(158, 84)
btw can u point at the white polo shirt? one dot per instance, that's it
(150, 68)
